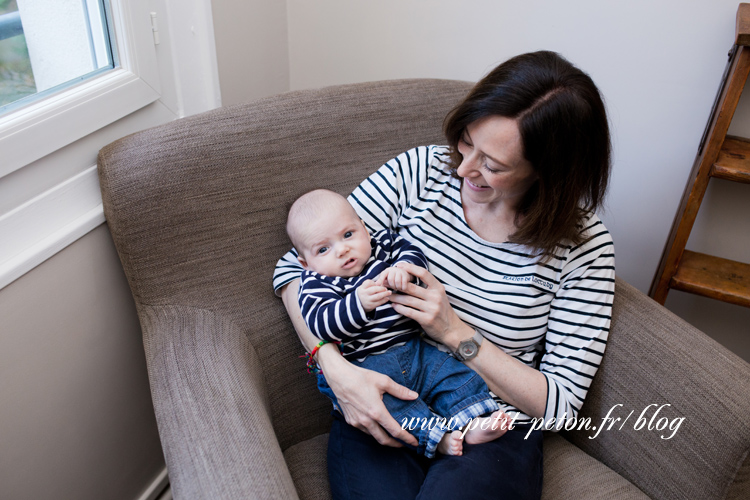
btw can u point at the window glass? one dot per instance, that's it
(47, 45)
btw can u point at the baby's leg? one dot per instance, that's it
(486, 429)
(451, 444)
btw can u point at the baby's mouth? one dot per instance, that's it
(349, 262)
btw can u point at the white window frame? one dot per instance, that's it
(46, 224)
(43, 127)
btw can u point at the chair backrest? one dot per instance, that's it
(197, 207)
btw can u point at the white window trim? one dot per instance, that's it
(46, 126)
(48, 223)
(39, 228)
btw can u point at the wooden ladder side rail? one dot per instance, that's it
(742, 27)
(721, 117)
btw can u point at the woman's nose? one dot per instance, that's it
(466, 168)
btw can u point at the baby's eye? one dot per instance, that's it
(348, 234)
(322, 250)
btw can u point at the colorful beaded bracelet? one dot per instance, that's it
(312, 367)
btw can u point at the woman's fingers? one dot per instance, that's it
(420, 309)
(420, 317)
(420, 272)
(380, 424)
(408, 300)
(388, 422)
(380, 435)
(361, 401)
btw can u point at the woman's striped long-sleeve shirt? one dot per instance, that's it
(552, 316)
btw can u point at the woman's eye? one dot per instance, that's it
(348, 234)
(490, 170)
(322, 250)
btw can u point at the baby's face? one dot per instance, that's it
(336, 246)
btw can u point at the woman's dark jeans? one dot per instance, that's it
(508, 467)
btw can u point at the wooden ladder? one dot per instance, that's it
(723, 157)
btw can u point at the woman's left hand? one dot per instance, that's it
(429, 307)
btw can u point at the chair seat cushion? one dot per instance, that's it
(308, 466)
(568, 472)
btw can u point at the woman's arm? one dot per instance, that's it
(520, 385)
(359, 391)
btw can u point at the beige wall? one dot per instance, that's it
(658, 64)
(251, 48)
(76, 419)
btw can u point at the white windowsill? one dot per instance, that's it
(39, 228)
(44, 127)
(48, 223)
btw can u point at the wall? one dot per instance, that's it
(658, 64)
(76, 418)
(252, 49)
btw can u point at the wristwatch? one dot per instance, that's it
(468, 349)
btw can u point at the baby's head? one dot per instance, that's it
(328, 235)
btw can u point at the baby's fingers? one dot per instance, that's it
(381, 297)
(403, 280)
(367, 284)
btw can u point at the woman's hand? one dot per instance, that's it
(360, 398)
(430, 308)
(359, 391)
(522, 386)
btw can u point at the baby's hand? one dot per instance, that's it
(372, 295)
(394, 278)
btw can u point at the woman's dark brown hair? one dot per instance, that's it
(565, 134)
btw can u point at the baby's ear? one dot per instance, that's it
(302, 261)
(364, 226)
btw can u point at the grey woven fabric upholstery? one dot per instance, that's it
(197, 209)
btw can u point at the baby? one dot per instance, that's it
(344, 290)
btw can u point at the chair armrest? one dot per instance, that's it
(211, 407)
(654, 357)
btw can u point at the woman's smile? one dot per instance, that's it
(475, 186)
(493, 166)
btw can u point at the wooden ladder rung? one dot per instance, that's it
(713, 277)
(733, 163)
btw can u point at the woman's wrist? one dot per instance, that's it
(329, 357)
(458, 334)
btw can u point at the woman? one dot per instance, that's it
(521, 276)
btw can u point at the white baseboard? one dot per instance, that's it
(158, 488)
(167, 495)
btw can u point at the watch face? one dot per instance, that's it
(467, 349)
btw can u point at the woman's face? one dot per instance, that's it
(493, 168)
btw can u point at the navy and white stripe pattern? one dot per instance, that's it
(553, 316)
(333, 311)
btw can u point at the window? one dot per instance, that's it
(128, 80)
(48, 45)
(125, 81)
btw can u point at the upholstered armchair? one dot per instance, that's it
(197, 209)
